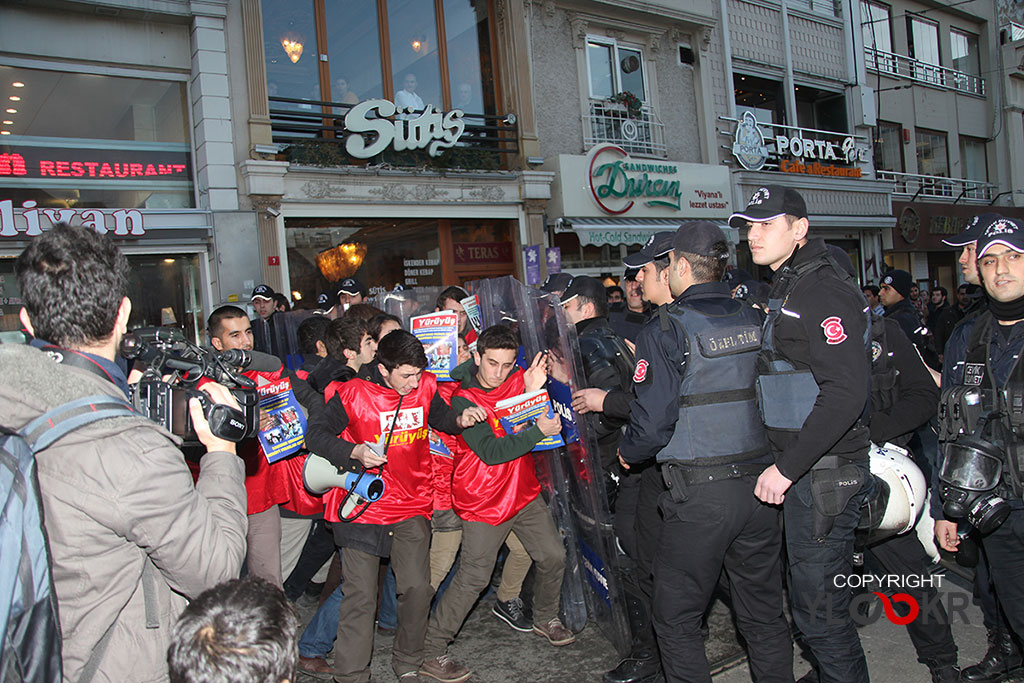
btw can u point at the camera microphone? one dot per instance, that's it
(251, 360)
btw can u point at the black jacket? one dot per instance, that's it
(598, 344)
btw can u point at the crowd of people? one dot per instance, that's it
(733, 420)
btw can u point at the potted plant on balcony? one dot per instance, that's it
(629, 102)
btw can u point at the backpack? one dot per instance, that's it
(31, 645)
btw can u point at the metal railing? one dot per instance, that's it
(956, 189)
(923, 72)
(641, 134)
(315, 131)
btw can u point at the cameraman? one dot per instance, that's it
(131, 537)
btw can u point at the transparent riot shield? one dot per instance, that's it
(571, 477)
(277, 336)
(406, 303)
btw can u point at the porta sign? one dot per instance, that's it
(796, 151)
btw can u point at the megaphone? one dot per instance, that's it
(319, 476)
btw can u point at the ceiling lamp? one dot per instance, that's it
(341, 261)
(292, 48)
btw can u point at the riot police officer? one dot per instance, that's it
(813, 383)
(983, 369)
(710, 443)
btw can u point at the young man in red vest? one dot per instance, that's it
(495, 491)
(399, 403)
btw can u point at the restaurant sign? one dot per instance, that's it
(793, 150)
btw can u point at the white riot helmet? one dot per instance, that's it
(899, 496)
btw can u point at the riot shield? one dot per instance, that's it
(571, 476)
(406, 303)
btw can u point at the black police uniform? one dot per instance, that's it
(905, 314)
(984, 354)
(817, 324)
(696, 412)
(904, 397)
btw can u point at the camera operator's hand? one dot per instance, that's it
(218, 394)
(365, 455)
(549, 426)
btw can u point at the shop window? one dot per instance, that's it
(760, 96)
(876, 31)
(820, 109)
(932, 155)
(888, 147)
(964, 51)
(87, 140)
(973, 158)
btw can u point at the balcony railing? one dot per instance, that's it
(314, 132)
(641, 135)
(956, 189)
(923, 72)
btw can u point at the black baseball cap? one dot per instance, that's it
(262, 292)
(1005, 231)
(697, 237)
(584, 285)
(326, 300)
(351, 286)
(768, 202)
(659, 244)
(973, 231)
(556, 282)
(631, 274)
(735, 276)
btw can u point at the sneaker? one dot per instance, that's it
(317, 667)
(444, 669)
(511, 612)
(555, 632)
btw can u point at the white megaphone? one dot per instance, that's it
(319, 476)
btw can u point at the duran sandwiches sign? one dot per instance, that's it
(826, 154)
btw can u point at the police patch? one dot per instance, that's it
(876, 351)
(640, 374)
(973, 374)
(834, 332)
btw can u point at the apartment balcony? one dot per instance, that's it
(937, 187)
(610, 122)
(899, 66)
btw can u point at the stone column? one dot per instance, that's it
(256, 73)
(514, 51)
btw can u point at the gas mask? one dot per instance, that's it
(971, 469)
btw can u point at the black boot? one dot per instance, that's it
(944, 672)
(1002, 659)
(642, 664)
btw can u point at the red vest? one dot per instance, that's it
(407, 475)
(492, 493)
(443, 465)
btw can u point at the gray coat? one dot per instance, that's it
(118, 495)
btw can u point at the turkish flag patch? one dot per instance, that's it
(834, 332)
(640, 374)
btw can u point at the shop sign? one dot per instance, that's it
(93, 164)
(35, 220)
(482, 252)
(616, 181)
(795, 153)
(432, 130)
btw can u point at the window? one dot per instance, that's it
(615, 69)
(877, 35)
(923, 39)
(932, 157)
(89, 140)
(964, 51)
(435, 53)
(761, 97)
(888, 147)
(973, 158)
(821, 109)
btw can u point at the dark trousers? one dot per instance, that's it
(536, 530)
(319, 548)
(410, 558)
(905, 556)
(720, 525)
(637, 525)
(1005, 550)
(821, 610)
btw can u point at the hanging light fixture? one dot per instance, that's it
(292, 48)
(341, 261)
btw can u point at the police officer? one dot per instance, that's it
(710, 442)
(983, 352)
(895, 296)
(813, 385)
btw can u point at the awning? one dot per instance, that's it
(601, 231)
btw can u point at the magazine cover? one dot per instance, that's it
(472, 306)
(439, 334)
(521, 412)
(282, 422)
(561, 400)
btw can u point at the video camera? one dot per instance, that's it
(167, 353)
